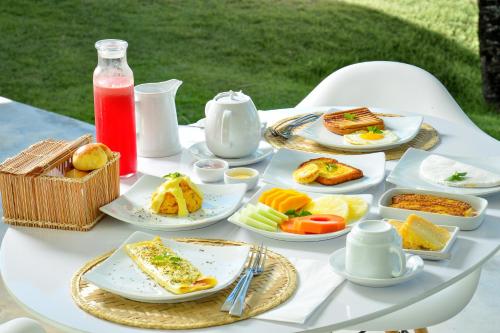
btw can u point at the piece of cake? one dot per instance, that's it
(418, 233)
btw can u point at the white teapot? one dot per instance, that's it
(232, 126)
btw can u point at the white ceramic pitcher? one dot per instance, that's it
(232, 127)
(156, 119)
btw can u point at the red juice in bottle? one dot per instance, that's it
(115, 121)
(114, 103)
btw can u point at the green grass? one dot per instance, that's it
(276, 51)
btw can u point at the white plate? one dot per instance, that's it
(286, 236)
(444, 253)
(464, 223)
(119, 275)
(285, 161)
(406, 128)
(219, 202)
(200, 151)
(407, 172)
(414, 265)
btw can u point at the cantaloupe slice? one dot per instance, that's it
(277, 199)
(270, 198)
(264, 197)
(293, 202)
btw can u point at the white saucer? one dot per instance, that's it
(200, 151)
(414, 265)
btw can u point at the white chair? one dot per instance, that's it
(21, 325)
(406, 88)
(387, 84)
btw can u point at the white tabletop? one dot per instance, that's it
(37, 265)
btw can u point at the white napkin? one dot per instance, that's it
(299, 307)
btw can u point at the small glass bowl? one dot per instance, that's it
(247, 176)
(210, 170)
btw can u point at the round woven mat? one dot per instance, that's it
(426, 138)
(268, 290)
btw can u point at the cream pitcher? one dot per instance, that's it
(156, 119)
(232, 128)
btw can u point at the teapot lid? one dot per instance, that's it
(231, 97)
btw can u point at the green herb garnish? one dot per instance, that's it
(349, 116)
(457, 176)
(173, 175)
(294, 213)
(166, 258)
(331, 167)
(374, 129)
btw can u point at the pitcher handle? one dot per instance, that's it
(225, 128)
(401, 261)
(137, 116)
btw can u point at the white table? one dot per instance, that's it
(37, 264)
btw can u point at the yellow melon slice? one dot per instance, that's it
(293, 202)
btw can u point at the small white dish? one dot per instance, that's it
(464, 223)
(405, 128)
(219, 202)
(210, 170)
(286, 236)
(247, 176)
(119, 275)
(285, 161)
(200, 151)
(414, 265)
(407, 173)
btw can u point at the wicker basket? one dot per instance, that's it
(35, 194)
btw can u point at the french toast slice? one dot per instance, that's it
(432, 203)
(355, 120)
(332, 172)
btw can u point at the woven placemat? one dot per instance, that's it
(268, 290)
(426, 138)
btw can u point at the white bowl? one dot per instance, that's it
(210, 170)
(251, 181)
(464, 223)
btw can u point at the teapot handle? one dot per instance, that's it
(225, 128)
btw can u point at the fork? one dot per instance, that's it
(286, 132)
(292, 123)
(257, 268)
(232, 296)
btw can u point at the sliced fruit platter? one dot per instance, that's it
(290, 215)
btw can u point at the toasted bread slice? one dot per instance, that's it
(332, 172)
(363, 118)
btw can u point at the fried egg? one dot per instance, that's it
(439, 169)
(370, 138)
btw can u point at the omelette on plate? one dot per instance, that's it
(445, 171)
(167, 268)
(177, 195)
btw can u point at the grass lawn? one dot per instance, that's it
(276, 51)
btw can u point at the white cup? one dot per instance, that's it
(156, 119)
(374, 250)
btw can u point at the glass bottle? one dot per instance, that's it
(114, 103)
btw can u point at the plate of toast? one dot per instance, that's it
(325, 173)
(361, 130)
